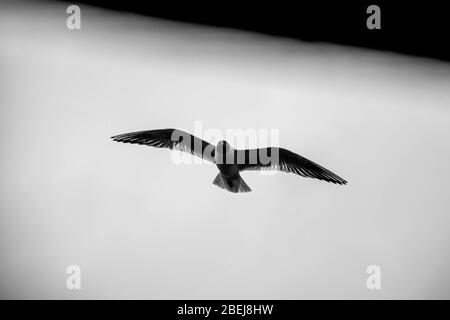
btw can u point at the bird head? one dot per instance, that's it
(223, 147)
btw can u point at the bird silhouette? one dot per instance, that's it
(229, 161)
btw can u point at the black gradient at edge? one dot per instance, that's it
(418, 29)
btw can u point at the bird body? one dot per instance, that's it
(229, 161)
(224, 157)
(229, 178)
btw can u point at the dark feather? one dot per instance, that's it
(286, 161)
(173, 139)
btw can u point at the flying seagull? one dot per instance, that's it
(229, 161)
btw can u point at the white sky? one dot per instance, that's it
(140, 226)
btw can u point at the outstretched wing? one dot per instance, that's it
(173, 139)
(286, 161)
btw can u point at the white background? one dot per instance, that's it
(140, 226)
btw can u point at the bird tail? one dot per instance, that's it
(233, 184)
